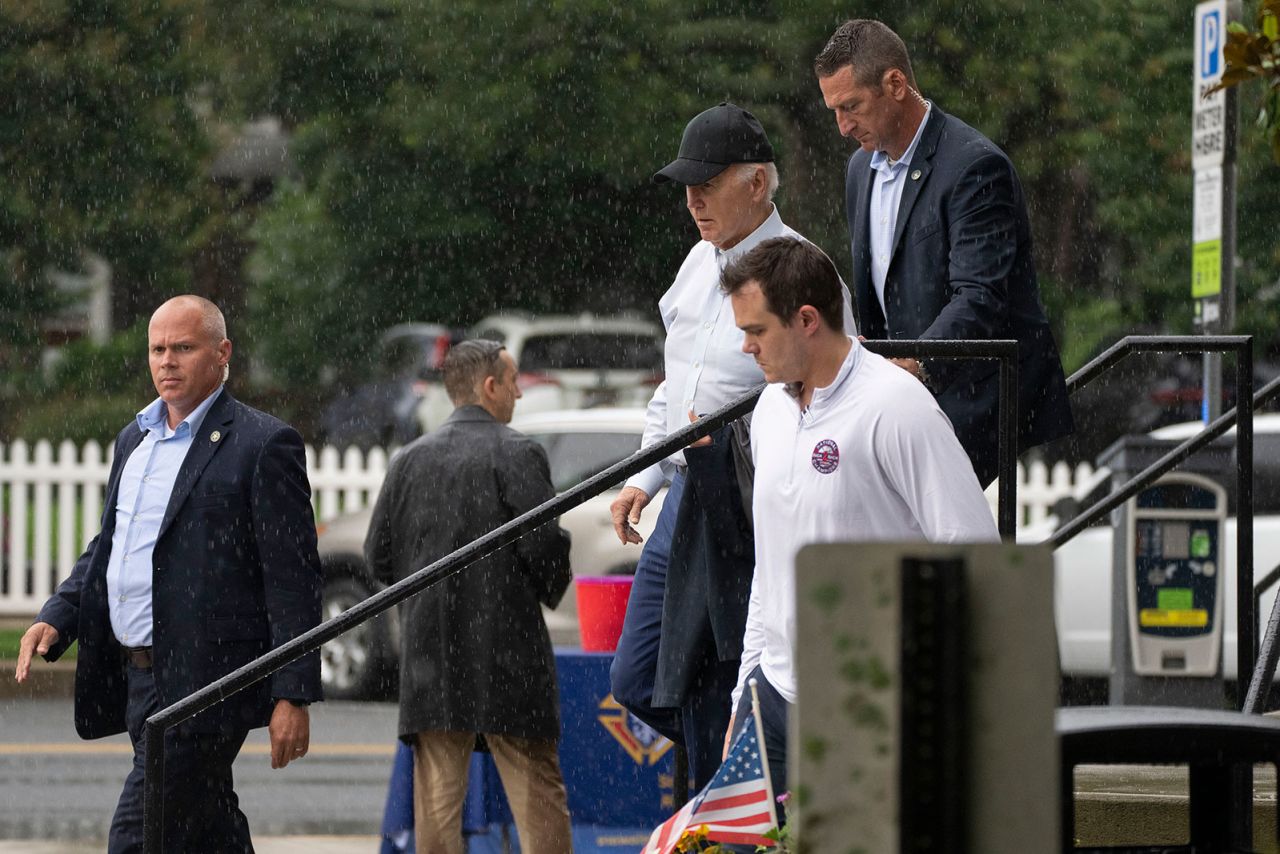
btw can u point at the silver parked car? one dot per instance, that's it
(579, 443)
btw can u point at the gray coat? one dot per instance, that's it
(475, 654)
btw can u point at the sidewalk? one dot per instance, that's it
(265, 845)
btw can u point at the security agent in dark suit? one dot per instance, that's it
(205, 561)
(941, 242)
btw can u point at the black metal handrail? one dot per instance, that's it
(1259, 590)
(1268, 654)
(1006, 352)
(1241, 415)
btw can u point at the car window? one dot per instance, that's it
(574, 457)
(610, 351)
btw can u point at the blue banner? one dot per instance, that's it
(618, 773)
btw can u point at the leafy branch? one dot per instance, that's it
(1255, 55)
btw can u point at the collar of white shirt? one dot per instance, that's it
(155, 416)
(880, 160)
(771, 227)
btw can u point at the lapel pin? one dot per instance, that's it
(915, 176)
(215, 436)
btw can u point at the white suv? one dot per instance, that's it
(1082, 587)
(579, 361)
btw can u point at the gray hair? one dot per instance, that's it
(744, 172)
(468, 364)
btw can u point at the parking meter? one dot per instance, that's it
(1168, 577)
(1174, 576)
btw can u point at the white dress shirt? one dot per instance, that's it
(146, 482)
(872, 458)
(704, 363)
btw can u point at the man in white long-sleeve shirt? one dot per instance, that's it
(726, 165)
(847, 447)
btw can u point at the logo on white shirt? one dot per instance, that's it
(826, 456)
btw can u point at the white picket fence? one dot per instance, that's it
(52, 502)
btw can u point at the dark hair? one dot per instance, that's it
(870, 47)
(790, 273)
(468, 364)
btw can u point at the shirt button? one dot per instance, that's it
(706, 326)
(884, 259)
(696, 365)
(123, 599)
(884, 220)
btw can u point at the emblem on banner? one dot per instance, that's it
(826, 456)
(642, 744)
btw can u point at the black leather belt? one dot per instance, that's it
(138, 656)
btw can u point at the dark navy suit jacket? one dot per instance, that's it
(234, 574)
(962, 269)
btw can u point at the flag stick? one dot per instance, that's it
(764, 753)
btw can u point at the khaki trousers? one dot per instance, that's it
(530, 773)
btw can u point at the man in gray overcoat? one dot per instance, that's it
(476, 666)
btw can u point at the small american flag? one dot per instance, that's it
(735, 807)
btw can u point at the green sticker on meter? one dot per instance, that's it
(1174, 599)
(1200, 542)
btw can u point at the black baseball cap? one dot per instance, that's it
(715, 140)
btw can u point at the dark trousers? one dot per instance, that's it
(202, 813)
(700, 724)
(635, 662)
(773, 721)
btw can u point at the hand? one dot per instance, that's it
(290, 730)
(911, 366)
(705, 440)
(728, 740)
(625, 511)
(39, 638)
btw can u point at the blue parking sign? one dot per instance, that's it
(1210, 44)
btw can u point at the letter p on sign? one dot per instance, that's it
(1210, 42)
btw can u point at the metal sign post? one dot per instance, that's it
(1214, 120)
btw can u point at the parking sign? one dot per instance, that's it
(1208, 114)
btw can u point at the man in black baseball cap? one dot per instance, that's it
(677, 660)
(715, 140)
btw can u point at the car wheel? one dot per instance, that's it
(353, 665)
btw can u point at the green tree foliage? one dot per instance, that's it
(459, 157)
(1255, 55)
(453, 158)
(101, 152)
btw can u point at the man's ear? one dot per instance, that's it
(894, 84)
(809, 318)
(759, 183)
(488, 387)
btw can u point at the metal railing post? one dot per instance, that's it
(1007, 509)
(1005, 351)
(1246, 617)
(153, 795)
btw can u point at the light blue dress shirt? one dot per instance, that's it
(886, 196)
(146, 483)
